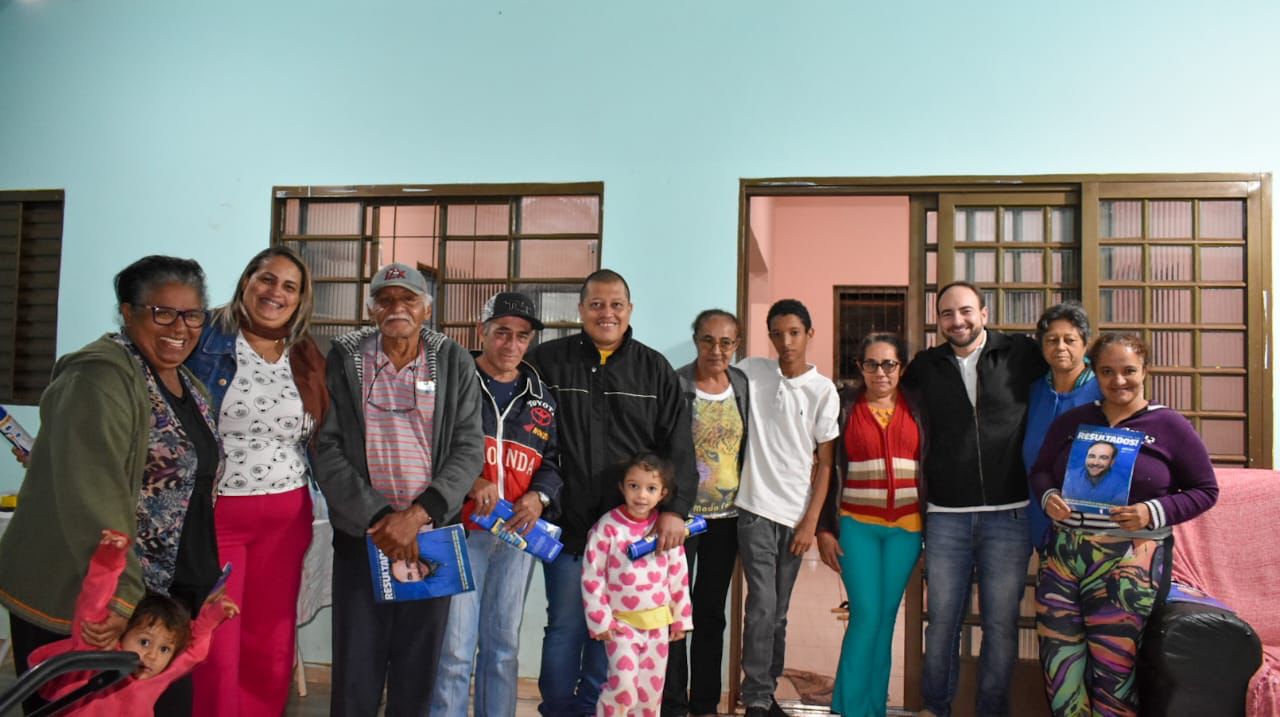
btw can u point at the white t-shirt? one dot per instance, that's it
(789, 418)
(264, 429)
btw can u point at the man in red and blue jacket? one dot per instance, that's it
(521, 465)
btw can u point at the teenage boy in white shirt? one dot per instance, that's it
(794, 414)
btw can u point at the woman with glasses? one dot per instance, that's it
(127, 442)
(1063, 335)
(872, 521)
(266, 377)
(716, 394)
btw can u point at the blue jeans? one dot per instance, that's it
(997, 545)
(488, 618)
(573, 665)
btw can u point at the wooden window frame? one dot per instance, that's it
(31, 244)
(443, 196)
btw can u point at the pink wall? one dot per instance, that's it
(811, 244)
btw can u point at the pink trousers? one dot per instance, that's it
(250, 662)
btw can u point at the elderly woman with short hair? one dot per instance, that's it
(1063, 335)
(127, 442)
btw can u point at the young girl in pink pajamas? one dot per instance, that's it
(635, 607)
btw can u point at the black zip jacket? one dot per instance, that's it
(632, 403)
(974, 453)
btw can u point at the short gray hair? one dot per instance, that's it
(1070, 311)
(135, 282)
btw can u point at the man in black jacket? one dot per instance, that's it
(973, 390)
(617, 397)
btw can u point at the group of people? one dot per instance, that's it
(197, 434)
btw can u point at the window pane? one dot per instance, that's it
(1222, 393)
(931, 307)
(1119, 219)
(1171, 306)
(1172, 391)
(1121, 263)
(931, 267)
(1222, 306)
(329, 331)
(931, 227)
(479, 219)
(292, 216)
(1222, 219)
(1171, 349)
(332, 219)
(475, 259)
(976, 265)
(1023, 307)
(1222, 263)
(557, 303)
(414, 251)
(1065, 266)
(411, 221)
(1024, 266)
(557, 258)
(462, 302)
(1222, 349)
(993, 314)
(560, 215)
(975, 225)
(1223, 436)
(464, 335)
(1023, 224)
(1059, 296)
(336, 301)
(1170, 263)
(333, 259)
(1170, 219)
(1121, 306)
(1062, 225)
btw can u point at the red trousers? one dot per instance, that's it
(250, 663)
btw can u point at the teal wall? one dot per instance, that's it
(167, 123)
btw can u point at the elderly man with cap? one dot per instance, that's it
(400, 449)
(521, 465)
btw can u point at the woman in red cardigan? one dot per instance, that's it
(871, 524)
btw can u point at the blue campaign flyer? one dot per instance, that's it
(1100, 468)
(443, 568)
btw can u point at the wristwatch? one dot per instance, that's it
(543, 498)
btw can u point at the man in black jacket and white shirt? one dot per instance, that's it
(973, 391)
(617, 397)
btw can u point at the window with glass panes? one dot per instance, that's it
(469, 243)
(1175, 272)
(1022, 250)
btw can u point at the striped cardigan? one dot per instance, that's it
(863, 482)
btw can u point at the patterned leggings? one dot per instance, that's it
(1093, 599)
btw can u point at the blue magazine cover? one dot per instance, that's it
(1100, 468)
(443, 568)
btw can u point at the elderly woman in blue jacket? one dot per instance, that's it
(1063, 335)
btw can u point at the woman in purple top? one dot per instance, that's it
(1103, 576)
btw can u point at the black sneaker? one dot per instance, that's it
(775, 709)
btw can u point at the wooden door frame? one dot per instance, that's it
(923, 192)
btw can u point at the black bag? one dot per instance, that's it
(1196, 660)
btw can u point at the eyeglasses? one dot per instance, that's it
(393, 409)
(710, 342)
(872, 366)
(166, 315)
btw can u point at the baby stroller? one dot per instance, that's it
(111, 667)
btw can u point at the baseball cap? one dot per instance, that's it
(510, 303)
(397, 274)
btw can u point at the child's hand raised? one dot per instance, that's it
(229, 608)
(115, 539)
